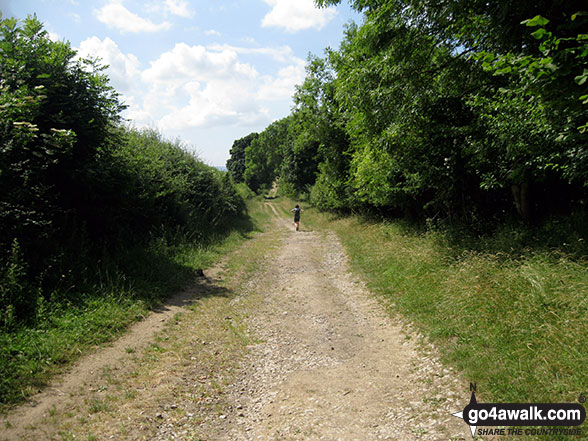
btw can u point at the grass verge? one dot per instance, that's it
(179, 383)
(78, 319)
(513, 321)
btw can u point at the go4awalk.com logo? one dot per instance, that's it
(505, 418)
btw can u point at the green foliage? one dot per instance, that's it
(520, 140)
(78, 187)
(29, 159)
(244, 191)
(319, 139)
(463, 111)
(406, 118)
(556, 73)
(472, 24)
(14, 289)
(299, 163)
(166, 188)
(263, 156)
(236, 163)
(55, 117)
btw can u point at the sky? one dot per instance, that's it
(204, 72)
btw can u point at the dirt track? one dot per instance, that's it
(329, 363)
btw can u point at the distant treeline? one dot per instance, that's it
(76, 185)
(457, 110)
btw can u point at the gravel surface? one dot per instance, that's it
(324, 361)
(332, 364)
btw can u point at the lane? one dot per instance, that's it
(333, 365)
(325, 362)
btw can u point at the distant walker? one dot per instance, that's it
(297, 210)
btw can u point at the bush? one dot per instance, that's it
(166, 188)
(82, 188)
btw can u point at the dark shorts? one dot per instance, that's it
(296, 218)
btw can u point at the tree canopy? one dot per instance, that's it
(451, 109)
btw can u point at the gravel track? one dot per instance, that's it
(328, 363)
(332, 364)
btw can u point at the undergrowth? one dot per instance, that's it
(119, 290)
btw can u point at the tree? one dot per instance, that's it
(56, 116)
(78, 187)
(556, 75)
(524, 121)
(236, 163)
(473, 24)
(407, 118)
(450, 109)
(321, 141)
(264, 154)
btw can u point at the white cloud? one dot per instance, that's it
(248, 40)
(77, 18)
(166, 8)
(282, 87)
(296, 15)
(179, 7)
(194, 86)
(212, 32)
(196, 62)
(115, 15)
(123, 71)
(53, 36)
(197, 86)
(281, 54)
(216, 103)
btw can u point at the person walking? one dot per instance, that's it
(297, 210)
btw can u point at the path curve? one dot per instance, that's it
(84, 375)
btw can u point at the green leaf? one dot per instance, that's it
(539, 33)
(538, 20)
(504, 70)
(581, 79)
(489, 58)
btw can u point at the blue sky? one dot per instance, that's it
(206, 72)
